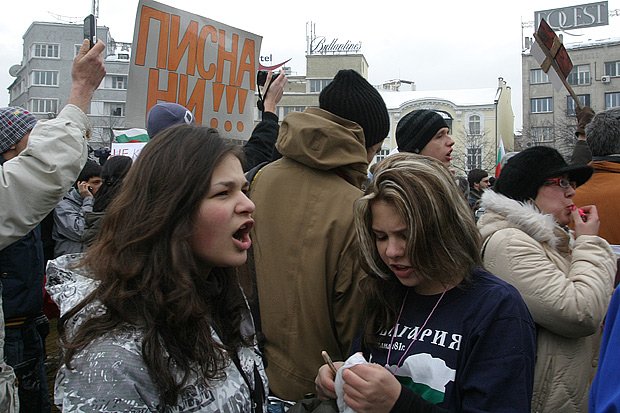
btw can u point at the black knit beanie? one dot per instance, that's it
(527, 171)
(417, 128)
(351, 97)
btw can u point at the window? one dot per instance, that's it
(115, 82)
(19, 88)
(538, 76)
(474, 125)
(612, 100)
(117, 109)
(288, 109)
(541, 105)
(101, 108)
(580, 75)
(474, 157)
(45, 50)
(316, 85)
(119, 82)
(43, 105)
(542, 134)
(381, 155)
(584, 100)
(114, 108)
(612, 68)
(44, 78)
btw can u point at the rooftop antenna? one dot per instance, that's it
(66, 19)
(95, 10)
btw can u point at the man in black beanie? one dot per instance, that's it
(307, 271)
(425, 132)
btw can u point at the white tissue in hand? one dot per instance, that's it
(354, 360)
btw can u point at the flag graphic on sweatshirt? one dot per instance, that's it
(426, 376)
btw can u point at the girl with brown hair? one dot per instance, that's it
(153, 317)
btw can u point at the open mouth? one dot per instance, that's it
(243, 232)
(242, 235)
(401, 271)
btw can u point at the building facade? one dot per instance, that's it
(479, 118)
(549, 115)
(43, 78)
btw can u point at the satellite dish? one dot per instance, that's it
(14, 70)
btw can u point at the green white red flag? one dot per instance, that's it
(500, 154)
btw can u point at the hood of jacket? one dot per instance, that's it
(324, 141)
(74, 196)
(502, 212)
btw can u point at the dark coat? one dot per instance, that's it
(21, 274)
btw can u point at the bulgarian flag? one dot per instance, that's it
(500, 154)
(131, 135)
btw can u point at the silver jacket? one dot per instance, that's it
(110, 374)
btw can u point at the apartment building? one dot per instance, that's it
(549, 115)
(43, 77)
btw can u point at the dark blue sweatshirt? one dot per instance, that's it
(476, 353)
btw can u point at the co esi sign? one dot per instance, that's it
(575, 17)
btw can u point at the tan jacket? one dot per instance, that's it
(32, 183)
(566, 284)
(305, 249)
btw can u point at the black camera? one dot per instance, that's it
(261, 77)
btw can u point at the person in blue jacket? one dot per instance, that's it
(441, 333)
(605, 392)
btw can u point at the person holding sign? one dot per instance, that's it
(152, 316)
(307, 259)
(259, 149)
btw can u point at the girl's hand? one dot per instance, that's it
(370, 388)
(324, 385)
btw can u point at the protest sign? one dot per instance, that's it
(127, 149)
(553, 58)
(202, 64)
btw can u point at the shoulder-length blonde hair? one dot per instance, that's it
(443, 242)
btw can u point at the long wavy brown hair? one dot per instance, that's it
(150, 278)
(443, 242)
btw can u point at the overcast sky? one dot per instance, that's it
(437, 44)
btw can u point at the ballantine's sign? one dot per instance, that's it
(319, 45)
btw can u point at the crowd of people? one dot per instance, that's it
(204, 276)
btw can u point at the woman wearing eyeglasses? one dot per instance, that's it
(564, 276)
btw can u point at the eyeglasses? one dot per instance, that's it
(561, 182)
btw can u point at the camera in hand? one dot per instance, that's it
(261, 77)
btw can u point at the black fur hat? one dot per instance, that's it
(527, 171)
